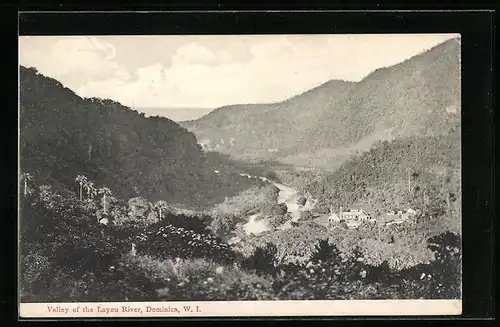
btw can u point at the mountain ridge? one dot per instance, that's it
(419, 96)
(63, 135)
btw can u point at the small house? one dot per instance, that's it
(352, 218)
(364, 217)
(355, 215)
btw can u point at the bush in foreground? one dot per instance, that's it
(67, 256)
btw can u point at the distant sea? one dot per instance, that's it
(176, 114)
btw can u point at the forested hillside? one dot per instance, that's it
(420, 96)
(63, 135)
(327, 125)
(422, 173)
(255, 131)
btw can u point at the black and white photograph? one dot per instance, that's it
(177, 169)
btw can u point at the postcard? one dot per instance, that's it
(240, 175)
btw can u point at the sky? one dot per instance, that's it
(206, 71)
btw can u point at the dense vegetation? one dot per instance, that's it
(227, 165)
(229, 215)
(266, 126)
(326, 125)
(89, 245)
(63, 135)
(422, 173)
(68, 254)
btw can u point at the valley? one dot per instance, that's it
(350, 190)
(325, 126)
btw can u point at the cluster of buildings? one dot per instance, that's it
(399, 216)
(354, 218)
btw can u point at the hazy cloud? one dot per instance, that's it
(210, 71)
(73, 60)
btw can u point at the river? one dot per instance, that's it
(286, 195)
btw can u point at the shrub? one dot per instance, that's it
(35, 270)
(324, 251)
(322, 208)
(199, 280)
(138, 208)
(302, 201)
(197, 223)
(273, 209)
(269, 193)
(263, 260)
(222, 224)
(278, 220)
(161, 240)
(447, 267)
(244, 203)
(294, 245)
(306, 215)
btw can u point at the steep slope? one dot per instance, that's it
(63, 135)
(420, 96)
(266, 131)
(415, 172)
(327, 125)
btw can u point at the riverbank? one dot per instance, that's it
(287, 195)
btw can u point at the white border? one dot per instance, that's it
(245, 308)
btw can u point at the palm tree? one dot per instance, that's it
(408, 171)
(81, 180)
(151, 208)
(161, 206)
(425, 202)
(26, 177)
(93, 192)
(90, 152)
(133, 251)
(89, 187)
(105, 192)
(109, 204)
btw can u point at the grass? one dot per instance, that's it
(200, 279)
